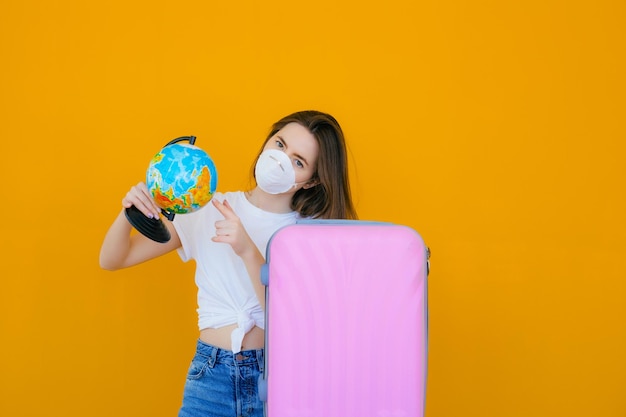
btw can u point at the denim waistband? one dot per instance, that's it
(218, 355)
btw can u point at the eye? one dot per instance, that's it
(279, 144)
(299, 163)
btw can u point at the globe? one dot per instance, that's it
(182, 178)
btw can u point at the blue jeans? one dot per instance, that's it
(220, 384)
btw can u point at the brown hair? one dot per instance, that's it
(331, 197)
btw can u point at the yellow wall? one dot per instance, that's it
(494, 128)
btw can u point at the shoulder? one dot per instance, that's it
(231, 196)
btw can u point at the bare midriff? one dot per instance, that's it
(254, 339)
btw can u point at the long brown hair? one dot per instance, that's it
(331, 197)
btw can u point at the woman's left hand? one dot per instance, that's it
(231, 231)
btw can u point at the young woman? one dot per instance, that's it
(301, 171)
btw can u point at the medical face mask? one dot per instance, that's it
(274, 172)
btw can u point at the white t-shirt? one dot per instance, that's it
(225, 292)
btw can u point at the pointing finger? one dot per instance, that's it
(225, 208)
(227, 204)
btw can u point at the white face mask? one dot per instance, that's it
(274, 172)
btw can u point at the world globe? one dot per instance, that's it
(182, 178)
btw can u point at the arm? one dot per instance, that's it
(231, 231)
(121, 248)
(253, 260)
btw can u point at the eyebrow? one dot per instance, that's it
(295, 154)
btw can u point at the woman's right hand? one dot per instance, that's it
(140, 197)
(121, 248)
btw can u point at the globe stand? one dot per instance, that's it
(154, 229)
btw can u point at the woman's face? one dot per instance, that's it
(300, 146)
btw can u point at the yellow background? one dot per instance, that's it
(494, 128)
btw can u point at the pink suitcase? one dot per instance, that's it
(346, 321)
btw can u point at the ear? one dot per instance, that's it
(310, 184)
